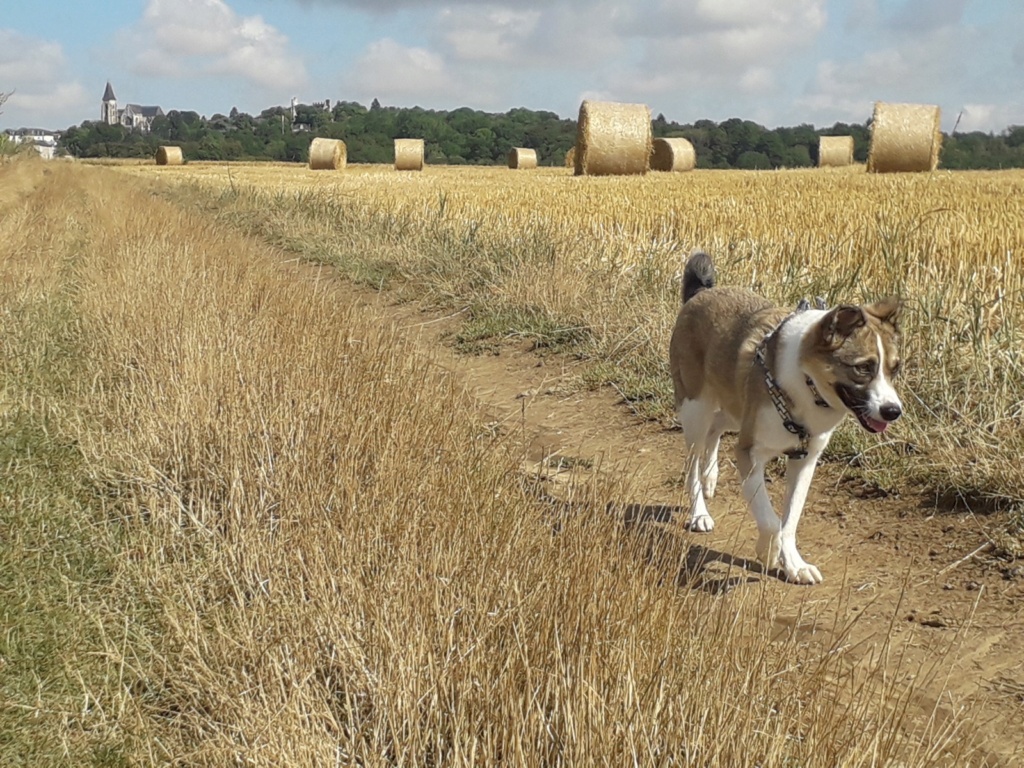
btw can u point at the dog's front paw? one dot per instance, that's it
(799, 571)
(700, 523)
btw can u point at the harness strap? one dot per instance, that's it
(779, 397)
(818, 399)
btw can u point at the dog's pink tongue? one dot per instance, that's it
(876, 425)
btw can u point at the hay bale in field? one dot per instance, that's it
(327, 155)
(521, 158)
(169, 156)
(904, 137)
(409, 154)
(673, 155)
(570, 158)
(835, 151)
(613, 139)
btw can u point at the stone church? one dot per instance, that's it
(132, 116)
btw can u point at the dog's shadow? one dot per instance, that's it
(661, 528)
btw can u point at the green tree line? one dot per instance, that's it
(467, 136)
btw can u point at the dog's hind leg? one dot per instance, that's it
(709, 461)
(697, 418)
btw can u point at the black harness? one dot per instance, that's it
(779, 398)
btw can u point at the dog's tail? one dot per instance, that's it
(698, 275)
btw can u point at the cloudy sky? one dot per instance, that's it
(779, 62)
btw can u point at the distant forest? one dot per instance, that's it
(466, 136)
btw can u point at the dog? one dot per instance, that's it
(783, 381)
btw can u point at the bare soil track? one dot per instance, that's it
(912, 575)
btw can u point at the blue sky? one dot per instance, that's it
(779, 62)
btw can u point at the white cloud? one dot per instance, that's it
(395, 6)
(567, 35)
(832, 98)
(923, 15)
(196, 38)
(488, 34)
(625, 50)
(757, 80)
(399, 74)
(43, 107)
(703, 58)
(730, 33)
(189, 27)
(39, 74)
(486, 55)
(936, 66)
(990, 117)
(721, 39)
(26, 61)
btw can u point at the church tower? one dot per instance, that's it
(108, 107)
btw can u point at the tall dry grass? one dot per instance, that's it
(314, 553)
(595, 263)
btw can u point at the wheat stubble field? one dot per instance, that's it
(248, 518)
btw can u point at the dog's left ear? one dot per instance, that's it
(887, 310)
(839, 324)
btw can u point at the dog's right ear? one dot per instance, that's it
(887, 310)
(839, 324)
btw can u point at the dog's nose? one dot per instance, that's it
(890, 411)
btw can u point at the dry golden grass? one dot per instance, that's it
(601, 258)
(305, 549)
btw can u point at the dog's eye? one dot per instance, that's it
(866, 369)
(896, 367)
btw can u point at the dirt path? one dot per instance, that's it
(898, 565)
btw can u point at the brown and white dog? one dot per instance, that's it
(784, 381)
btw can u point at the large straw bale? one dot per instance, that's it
(835, 151)
(409, 154)
(169, 156)
(327, 154)
(613, 139)
(521, 158)
(904, 137)
(676, 154)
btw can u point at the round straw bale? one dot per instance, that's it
(169, 156)
(570, 158)
(673, 155)
(518, 157)
(835, 151)
(613, 139)
(904, 137)
(408, 154)
(327, 154)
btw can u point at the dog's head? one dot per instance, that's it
(854, 353)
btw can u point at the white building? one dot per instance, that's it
(45, 142)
